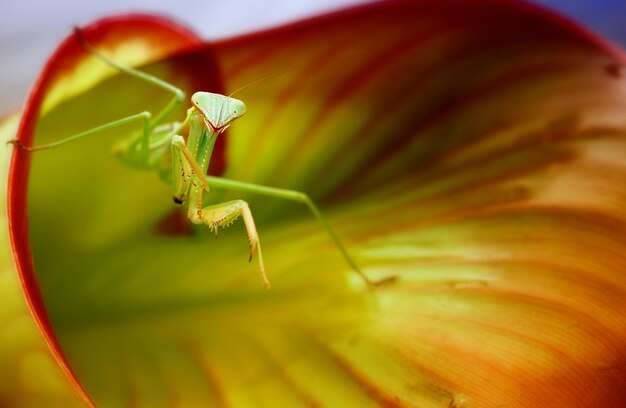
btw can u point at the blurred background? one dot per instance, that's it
(30, 29)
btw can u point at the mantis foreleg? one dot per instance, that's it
(223, 215)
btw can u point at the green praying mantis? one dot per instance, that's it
(187, 159)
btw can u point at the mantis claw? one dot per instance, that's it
(17, 144)
(373, 284)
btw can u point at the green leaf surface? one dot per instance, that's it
(29, 375)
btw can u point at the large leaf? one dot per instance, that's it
(473, 149)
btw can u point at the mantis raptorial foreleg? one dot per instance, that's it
(189, 177)
(223, 215)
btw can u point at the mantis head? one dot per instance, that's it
(218, 110)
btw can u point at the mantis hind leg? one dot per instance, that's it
(150, 122)
(178, 94)
(300, 197)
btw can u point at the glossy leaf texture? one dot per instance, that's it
(473, 149)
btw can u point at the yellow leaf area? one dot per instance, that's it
(29, 375)
(128, 41)
(91, 71)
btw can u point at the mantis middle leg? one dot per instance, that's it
(143, 116)
(188, 176)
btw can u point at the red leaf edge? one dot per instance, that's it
(65, 56)
(560, 22)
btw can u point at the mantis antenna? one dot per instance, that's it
(265, 78)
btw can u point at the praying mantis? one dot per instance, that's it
(191, 145)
